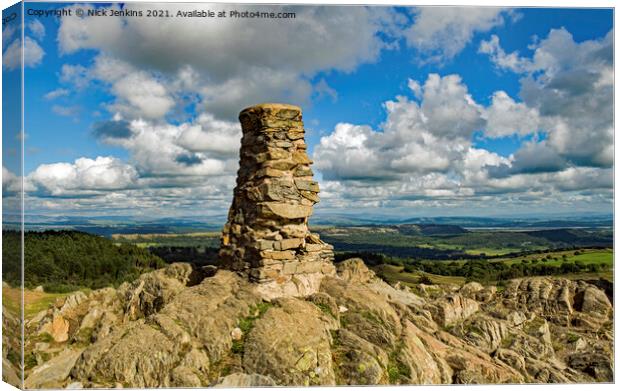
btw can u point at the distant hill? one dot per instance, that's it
(430, 229)
(575, 237)
(108, 225)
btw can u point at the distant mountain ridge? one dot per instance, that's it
(107, 225)
(430, 229)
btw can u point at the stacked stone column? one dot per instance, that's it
(266, 237)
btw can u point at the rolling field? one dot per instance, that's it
(393, 273)
(193, 239)
(587, 256)
(446, 254)
(602, 258)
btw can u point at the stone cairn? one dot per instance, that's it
(266, 237)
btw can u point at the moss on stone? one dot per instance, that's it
(396, 370)
(325, 308)
(247, 324)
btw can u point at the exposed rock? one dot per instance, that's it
(244, 380)
(541, 295)
(471, 289)
(484, 332)
(58, 328)
(359, 361)
(291, 344)
(149, 293)
(182, 376)
(593, 300)
(142, 364)
(453, 308)
(73, 301)
(512, 358)
(424, 366)
(105, 325)
(597, 365)
(91, 319)
(355, 330)
(236, 334)
(35, 320)
(487, 294)
(9, 375)
(11, 346)
(542, 372)
(369, 315)
(516, 318)
(201, 315)
(53, 373)
(354, 271)
(327, 304)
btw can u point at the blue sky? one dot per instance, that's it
(416, 111)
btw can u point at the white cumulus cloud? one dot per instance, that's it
(255, 61)
(440, 33)
(83, 176)
(567, 91)
(32, 53)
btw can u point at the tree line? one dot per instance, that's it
(63, 261)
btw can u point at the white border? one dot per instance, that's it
(484, 3)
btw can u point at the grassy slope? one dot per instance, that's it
(34, 302)
(602, 256)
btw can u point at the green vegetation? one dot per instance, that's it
(64, 261)
(247, 324)
(589, 263)
(325, 309)
(430, 252)
(547, 264)
(197, 247)
(507, 342)
(30, 361)
(37, 303)
(14, 357)
(437, 242)
(34, 301)
(194, 239)
(397, 371)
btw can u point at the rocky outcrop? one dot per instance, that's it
(452, 309)
(542, 295)
(355, 330)
(54, 372)
(244, 380)
(266, 238)
(11, 345)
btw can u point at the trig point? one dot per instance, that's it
(266, 237)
